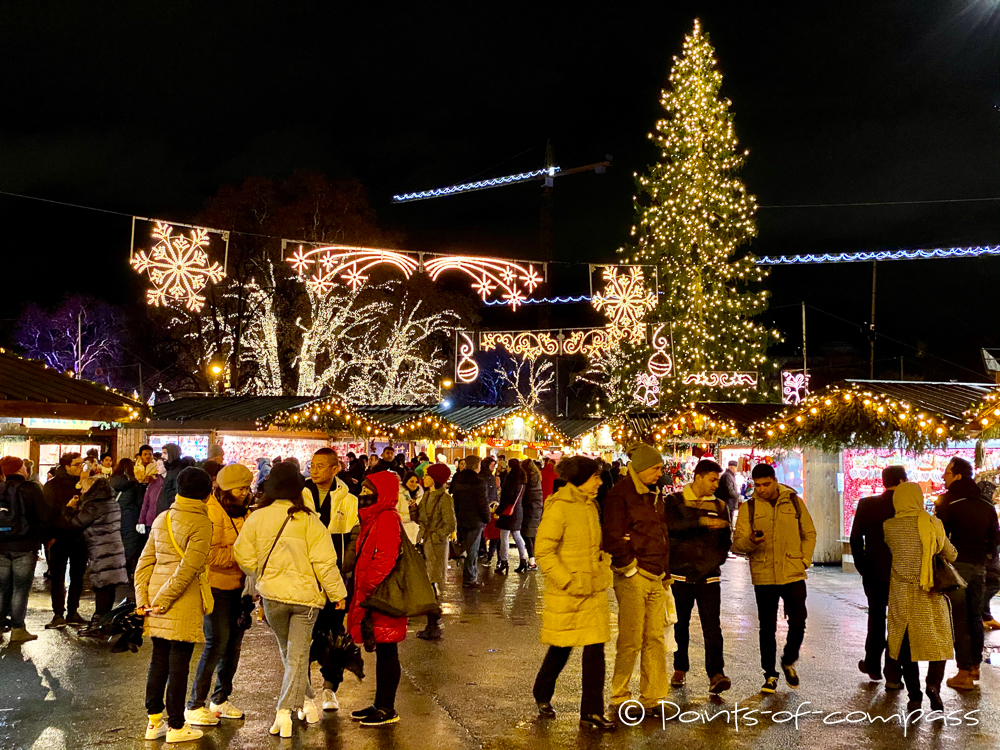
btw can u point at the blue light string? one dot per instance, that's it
(479, 185)
(862, 257)
(542, 300)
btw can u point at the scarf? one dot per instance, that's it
(908, 501)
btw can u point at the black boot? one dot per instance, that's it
(598, 722)
(433, 630)
(522, 568)
(503, 567)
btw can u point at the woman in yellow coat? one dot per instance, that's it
(577, 577)
(168, 592)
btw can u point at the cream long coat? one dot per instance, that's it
(577, 573)
(924, 614)
(163, 579)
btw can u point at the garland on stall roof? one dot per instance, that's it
(541, 424)
(334, 414)
(858, 418)
(690, 423)
(985, 417)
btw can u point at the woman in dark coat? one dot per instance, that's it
(533, 505)
(129, 494)
(491, 535)
(100, 518)
(510, 517)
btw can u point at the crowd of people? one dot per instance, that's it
(200, 548)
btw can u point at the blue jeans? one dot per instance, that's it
(967, 615)
(17, 569)
(505, 545)
(292, 625)
(223, 641)
(470, 542)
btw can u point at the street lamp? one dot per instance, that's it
(216, 370)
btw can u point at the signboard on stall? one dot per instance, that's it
(58, 424)
(863, 473)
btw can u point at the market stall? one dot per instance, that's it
(45, 413)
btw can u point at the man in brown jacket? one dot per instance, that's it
(636, 536)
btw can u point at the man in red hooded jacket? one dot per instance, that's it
(377, 549)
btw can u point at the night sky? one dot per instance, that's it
(148, 108)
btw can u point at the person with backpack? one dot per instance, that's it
(23, 517)
(100, 518)
(172, 593)
(774, 530)
(700, 536)
(378, 548)
(287, 549)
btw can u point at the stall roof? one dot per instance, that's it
(32, 389)
(233, 412)
(950, 400)
(464, 417)
(574, 428)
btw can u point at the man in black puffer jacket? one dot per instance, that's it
(971, 523)
(472, 512)
(700, 537)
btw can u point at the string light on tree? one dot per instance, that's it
(693, 214)
(178, 267)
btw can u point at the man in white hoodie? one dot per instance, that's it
(337, 508)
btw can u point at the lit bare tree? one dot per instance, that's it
(528, 377)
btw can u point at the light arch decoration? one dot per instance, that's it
(527, 344)
(466, 369)
(507, 282)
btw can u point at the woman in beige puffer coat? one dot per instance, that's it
(577, 578)
(168, 592)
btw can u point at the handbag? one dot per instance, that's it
(509, 510)
(946, 577)
(207, 600)
(406, 591)
(455, 550)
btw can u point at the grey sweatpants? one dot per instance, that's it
(292, 625)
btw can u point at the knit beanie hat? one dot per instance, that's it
(10, 465)
(194, 483)
(233, 476)
(644, 457)
(285, 482)
(439, 473)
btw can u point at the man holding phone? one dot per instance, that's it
(774, 530)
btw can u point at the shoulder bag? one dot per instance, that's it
(207, 600)
(509, 510)
(406, 591)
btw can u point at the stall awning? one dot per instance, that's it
(912, 416)
(221, 412)
(34, 390)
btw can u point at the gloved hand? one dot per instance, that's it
(368, 632)
(141, 528)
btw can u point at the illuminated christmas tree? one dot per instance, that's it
(693, 215)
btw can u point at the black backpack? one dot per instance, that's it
(13, 515)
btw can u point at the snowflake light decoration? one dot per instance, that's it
(625, 301)
(178, 267)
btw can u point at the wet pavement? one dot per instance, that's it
(473, 688)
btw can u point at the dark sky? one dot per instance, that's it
(150, 107)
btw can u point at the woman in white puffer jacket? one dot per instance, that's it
(286, 548)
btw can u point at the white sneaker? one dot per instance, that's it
(184, 734)
(225, 710)
(330, 702)
(156, 730)
(201, 717)
(282, 723)
(308, 712)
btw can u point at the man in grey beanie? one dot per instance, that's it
(637, 538)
